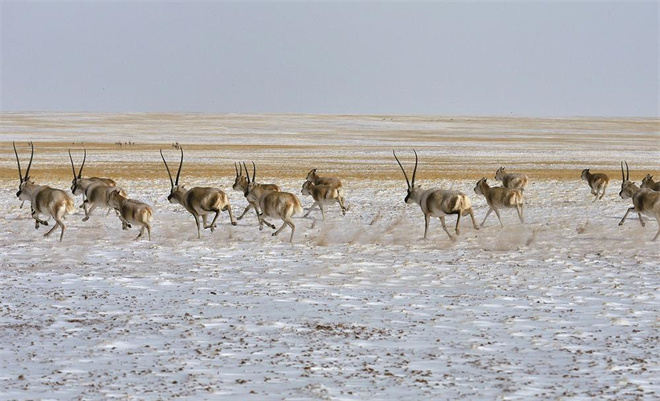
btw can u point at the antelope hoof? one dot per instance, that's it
(643, 224)
(240, 217)
(621, 223)
(85, 218)
(458, 232)
(43, 222)
(273, 234)
(233, 223)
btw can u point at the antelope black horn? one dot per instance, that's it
(404, 171)
(415, 170)
(168, 169)
(178, 173)
(20, 174)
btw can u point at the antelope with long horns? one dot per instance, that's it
(647, 182)
(199, 201)
(241, 184)
(645, 201)
(79, 184)
(282, 205)
(95, 190)
(498, 197)
(131, 211)
(511, 180)
(437, 202)
(598, 183)
(44, 199)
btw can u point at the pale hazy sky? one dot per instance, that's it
(446, 58)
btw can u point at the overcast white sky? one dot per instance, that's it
(447, 58)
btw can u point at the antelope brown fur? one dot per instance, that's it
(645, 201)
(43, 199)
(437, 202)
(323, 195)
(332, 181)
(513, 180)
(499, 197)
(199, 201)
(647, 182)
(282, 205)
(132, 212)
(241, 184)
(598, 183)
(79, 184)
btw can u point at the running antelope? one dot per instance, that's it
(44, 200)
(283, 205)
(323, 195)
(332, 181)
(95, 190)
(437, 202)
(79, 184)
(199, 201)
(511, 181)
(498, 197)
(648, 182)
(645, 201)
(597, 182)
(241, 184)
(131, 212)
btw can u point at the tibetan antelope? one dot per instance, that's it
(498, 197)
(323, 195)
(283, 205)
(199, 201)
(79, 184)
(241, 184)
(597, 182)
(511, 181)
(43, 199)
(95, 190)
(131, 212)
(645, 201)
(437, 202)
(332, 181)
(648, 182)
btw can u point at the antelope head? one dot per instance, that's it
(481, 187)
(24, 179)
(176, 190)
(251, 183)
(75, 183)
(628, 188)
(499, 174)
(585, 173)
(413, 190)
(312, 176)
(241, 182)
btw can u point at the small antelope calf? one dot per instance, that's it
(597, 182)
(241, 184)
(43, 199)
(437, 202)
(645, 201)
(332, 181)
(511, 181)
(648, 183)
(283, 205)
(498, 197)
(199, 201)
(131, 212)
(323, 195)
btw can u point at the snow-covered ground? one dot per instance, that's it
(565, 306)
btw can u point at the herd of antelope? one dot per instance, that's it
(268, 201)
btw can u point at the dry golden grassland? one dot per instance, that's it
(351, 147)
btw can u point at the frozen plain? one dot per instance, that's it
(358, 306)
